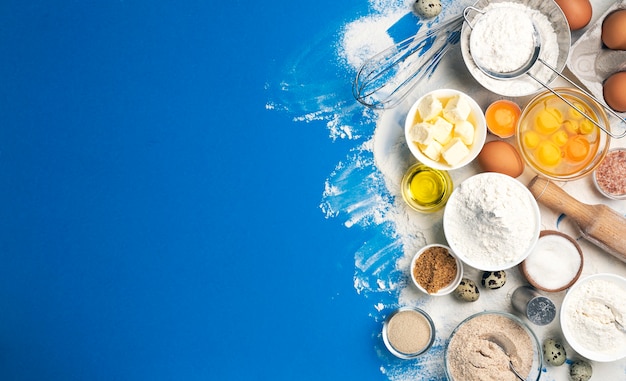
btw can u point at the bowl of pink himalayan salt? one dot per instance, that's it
(610, 176)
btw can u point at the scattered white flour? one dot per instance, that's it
(524, 85)
(502, 40)
(490, 219)
(592, 311)
(362, 38)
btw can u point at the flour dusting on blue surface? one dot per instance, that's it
(316, 87)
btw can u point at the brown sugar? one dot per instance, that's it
(434, 269)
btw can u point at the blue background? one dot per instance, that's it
(157, 222)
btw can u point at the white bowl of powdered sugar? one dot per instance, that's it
(491, 221)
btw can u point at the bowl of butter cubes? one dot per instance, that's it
(445, 129)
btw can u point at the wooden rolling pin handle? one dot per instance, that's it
(599, 224)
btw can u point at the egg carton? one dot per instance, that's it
(592, 63)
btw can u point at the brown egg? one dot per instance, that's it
(614, 91)
(500, 156)
(614, 30)
(577, 12)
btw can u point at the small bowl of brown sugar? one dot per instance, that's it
(436, 270)
(408, 332)
(610, 176)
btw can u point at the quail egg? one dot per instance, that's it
(554, 352)
(467, 291)
(493, 279)
(427, 8)
(580, 371)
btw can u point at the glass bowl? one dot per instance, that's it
(408, 332)
(556, 141)
(501, 334)
(426, 189)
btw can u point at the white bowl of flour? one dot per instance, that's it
(593, 316)
(492, 221)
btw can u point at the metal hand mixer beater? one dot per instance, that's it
(524, 68)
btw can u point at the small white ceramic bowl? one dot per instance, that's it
(452, 285)
(599, 298)
(476, 117)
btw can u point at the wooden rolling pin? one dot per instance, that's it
(598, 223)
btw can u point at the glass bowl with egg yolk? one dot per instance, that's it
(556, 140)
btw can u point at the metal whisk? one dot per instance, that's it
(385, 79)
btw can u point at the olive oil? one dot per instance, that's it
(426, 189)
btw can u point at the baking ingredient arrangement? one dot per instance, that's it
(492, 222)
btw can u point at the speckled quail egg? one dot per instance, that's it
(427, 8)
(467, 291)
(554, 352)
(580, 371)
(493, 279)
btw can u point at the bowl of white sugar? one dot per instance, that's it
(593, 317)
(499, 34)
(491, 221)
(555, 263)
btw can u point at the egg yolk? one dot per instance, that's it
(502, 117)
(576, 113)
(577, 148)
(559, 138)
(531, 139)
(586, 127)
(548, 121)
(571, 127)
(548, 153)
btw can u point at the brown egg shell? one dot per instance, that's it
(501, 157)
(577, 12)
(614, 91)
(613, 32)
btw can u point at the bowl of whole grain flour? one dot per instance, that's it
(489, 345)
(491, 221)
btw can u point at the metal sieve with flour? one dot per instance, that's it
(503, 44)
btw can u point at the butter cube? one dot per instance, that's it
(454, 151)
(433, 150)
(442, 130)
(457, 109)
(421, 133)
(465, 131)
(429, 108)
